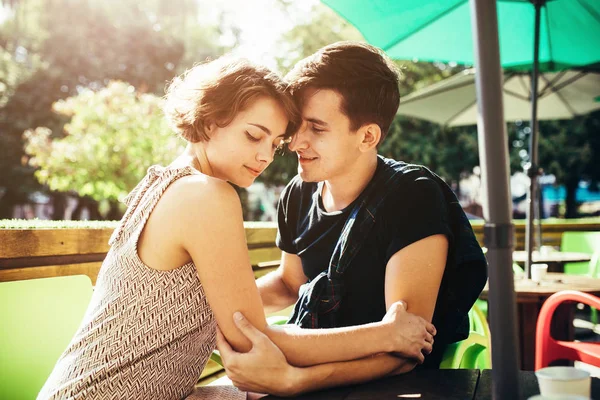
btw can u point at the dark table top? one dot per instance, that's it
(436, 384)
(451, 384)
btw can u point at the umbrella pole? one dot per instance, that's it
(499, 228)
(532, 169)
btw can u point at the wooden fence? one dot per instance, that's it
(39, 253)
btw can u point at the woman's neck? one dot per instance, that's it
(194, 156)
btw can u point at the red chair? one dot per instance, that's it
(547, 349)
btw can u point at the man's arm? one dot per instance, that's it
(279, 289)
(348, 373)
(264, 369)
(414, 275)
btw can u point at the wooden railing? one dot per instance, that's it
(551, 231)
(39, 253)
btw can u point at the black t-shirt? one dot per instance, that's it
(413, 210)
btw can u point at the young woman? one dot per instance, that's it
(178, 263)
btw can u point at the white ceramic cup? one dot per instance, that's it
(538, 272)
(562, 381)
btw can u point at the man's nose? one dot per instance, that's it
(300, 139)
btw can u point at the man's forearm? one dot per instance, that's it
(348, 372)
(307, 347)
(275, 294)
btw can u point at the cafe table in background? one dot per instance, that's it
(556, 260)
(529, 298)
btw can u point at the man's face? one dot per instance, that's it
(325, 144)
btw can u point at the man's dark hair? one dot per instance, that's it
(362, 74)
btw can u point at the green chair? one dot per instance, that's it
(580, 242)
(277, 320)
(482, 305)
(39, 318)
(475, 351)
(471, 353)
(478, 322)
(583, 242)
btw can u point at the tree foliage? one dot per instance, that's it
(55, 49)
(321, 27)
(568, 149)
(113, 136)
(450, 152)
(56, 55)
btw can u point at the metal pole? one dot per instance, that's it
(499, 229)
(533, 169)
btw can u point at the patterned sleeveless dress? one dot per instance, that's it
(147, 334)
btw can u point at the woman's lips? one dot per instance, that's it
(255, 172)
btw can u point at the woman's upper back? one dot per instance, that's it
(147, 333)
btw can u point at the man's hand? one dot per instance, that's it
(264, 369)
(412, 336)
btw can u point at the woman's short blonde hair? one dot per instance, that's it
(214, 92)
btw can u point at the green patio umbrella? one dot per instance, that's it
(561, 33)
(440, 30)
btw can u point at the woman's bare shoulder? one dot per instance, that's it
(201, 196)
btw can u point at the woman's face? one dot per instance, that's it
(240, 151)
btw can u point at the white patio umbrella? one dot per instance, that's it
(561, 95)
(453, 102)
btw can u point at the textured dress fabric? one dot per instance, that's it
(147, 334)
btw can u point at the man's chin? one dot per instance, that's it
(306, 177)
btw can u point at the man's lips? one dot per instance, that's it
(255, 172)
(305, 159)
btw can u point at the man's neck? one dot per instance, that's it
(339, 192)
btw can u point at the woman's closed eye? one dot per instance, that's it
(252, 138)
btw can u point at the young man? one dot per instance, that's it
(359, 232)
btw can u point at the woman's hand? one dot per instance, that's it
(410, 335)
(264, 369)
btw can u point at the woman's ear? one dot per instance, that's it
(209, 128)
(370, 135)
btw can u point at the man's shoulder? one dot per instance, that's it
(408, 170)
(408, 174)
